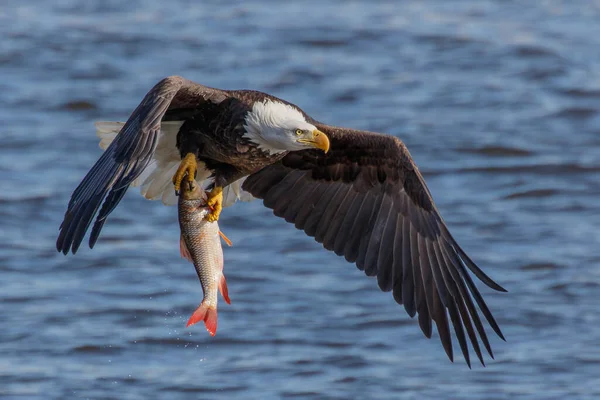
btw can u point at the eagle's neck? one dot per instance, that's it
(266, 123)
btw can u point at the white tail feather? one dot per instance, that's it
(156, 179)
(107, 131)
(234, 192)
(169, 198)
(154, 186)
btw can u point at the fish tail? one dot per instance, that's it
(206, 314)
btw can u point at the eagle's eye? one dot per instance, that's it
(299, 132)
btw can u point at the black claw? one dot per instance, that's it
(191, 185)
(176, 192)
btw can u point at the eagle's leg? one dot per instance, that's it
(215, 202)
(187, 169)
(224, 175)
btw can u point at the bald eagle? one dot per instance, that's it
(358, 193)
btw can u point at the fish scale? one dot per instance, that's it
(200, 243)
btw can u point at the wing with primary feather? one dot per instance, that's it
(127, 157)
(367, 201)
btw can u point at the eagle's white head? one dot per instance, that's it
(277, 127)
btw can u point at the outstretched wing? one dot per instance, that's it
(127, 157)
(367, 201)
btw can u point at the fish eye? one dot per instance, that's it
(299, 132)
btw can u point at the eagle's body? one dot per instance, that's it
(216, 135)
(358, 193)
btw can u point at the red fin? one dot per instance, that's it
(223, 289)
(225, 238)
(183, 250)
(206, 314)
(211, 321)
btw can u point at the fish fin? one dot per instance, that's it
(223, 289)
(206, 314)
(225, 238)
(210, 321)
(183, 250)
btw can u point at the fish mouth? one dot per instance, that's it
(190, 190)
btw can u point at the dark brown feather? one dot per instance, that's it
(370, 204)
(126, 158)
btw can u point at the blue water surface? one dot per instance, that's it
(498, 102)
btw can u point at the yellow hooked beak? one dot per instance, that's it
(318, 140)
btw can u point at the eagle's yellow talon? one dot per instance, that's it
(187, 168)
(215, 202)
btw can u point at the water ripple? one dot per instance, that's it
(498, 103)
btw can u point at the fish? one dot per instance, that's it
(200, 243)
